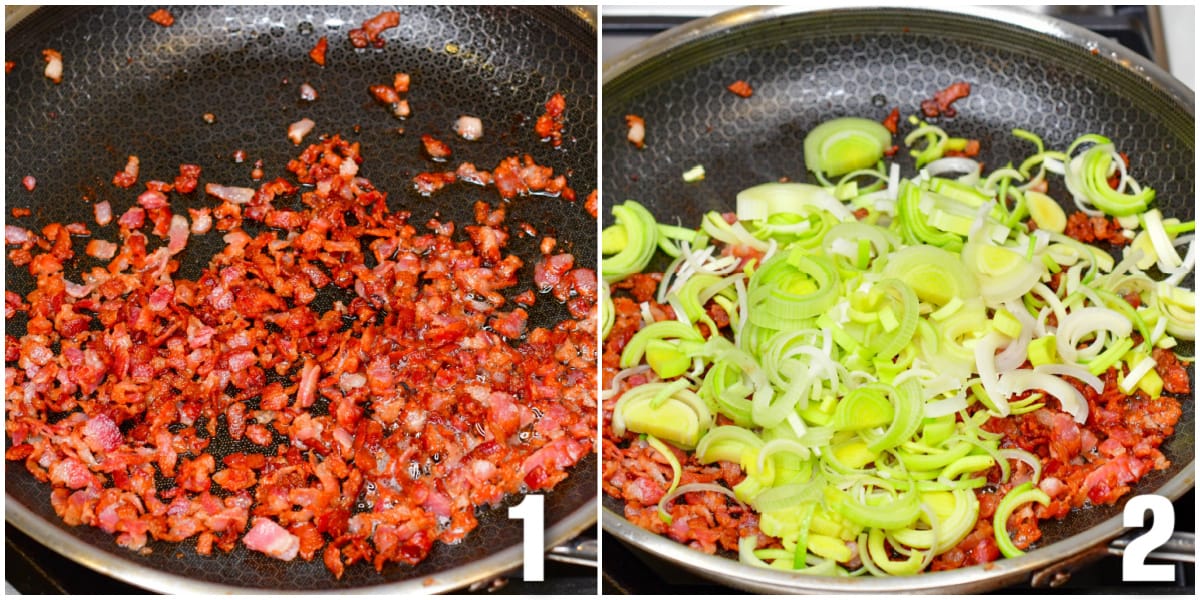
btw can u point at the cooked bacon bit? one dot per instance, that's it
(101, 249)
(637, 130)
(510, 325)
(428, 183)
(235, 195)
(54, 65)
(435, 148)
(268, 537)
(892, 121)
(1090, 229)
(163, 17)
(188, 178)
(299, 129)
(209, 118)
(391, 98)
(20, 211)
(401, 82)
(78, 229)
(941, 103)
(549, 125)
(8, 66)
(151, 199)
(741, 88)
(467, 172)
(591, 204)
(133, 218)
(29, 182)
(177, 234)
(1174, 374)
(469, 128)
(128, 176)
(15, 236)
(548, 244)
(368, 35)
(317, 54)
(526, 298)
(308, 93)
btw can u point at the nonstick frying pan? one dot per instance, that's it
(134, 87)
(809, 65)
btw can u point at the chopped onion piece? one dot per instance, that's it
(1136, 373)
(1071, 400)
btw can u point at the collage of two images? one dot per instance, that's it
(582, 300)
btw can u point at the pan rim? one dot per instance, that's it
(962, 580)
(1033, 22)
(117, 566)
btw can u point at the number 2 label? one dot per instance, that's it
(1133, 563)
(531, 512)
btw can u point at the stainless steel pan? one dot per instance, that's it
(807, 65)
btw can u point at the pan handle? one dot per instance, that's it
(1181, 547)
(581, 552)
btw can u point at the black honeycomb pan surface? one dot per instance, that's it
(133, 87)
(810, 67)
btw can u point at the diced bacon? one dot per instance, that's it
(151, 199)
(510, 325)
(741, 88)
(201, 220)
(637, 130)
(163, 17)
(435, 148)
(127, 176)
(308, 93)
(549, 125)
(942, 101)
(469, 128)
(369, 34)
(234, 195)
(101, 249)
(102, 434)
(299, 129)
(133, 218)
(550, 270)
(29, 182)
(310, 374)
(401, 82)
(317, 54)
(15, 236)
(71, 473)
(103, 212)
(268, 537)
(188, 178)
(54, 65)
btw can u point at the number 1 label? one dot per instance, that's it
(1133, 563)
(531, 512)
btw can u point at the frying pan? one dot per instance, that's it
(809, 65)
(134, 87)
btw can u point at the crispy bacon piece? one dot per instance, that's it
(942, 101)
(317, 54)
(29, 182)
(188, 178)
(741, 88)
(268, 537)
(369, 33)
(435, 148)
(637, 130)
(163, 17)
(549, 125)
(1091, 229)
(8, 66)
(892, 121)
(54, 65)
(127, 176)
(20, 211)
